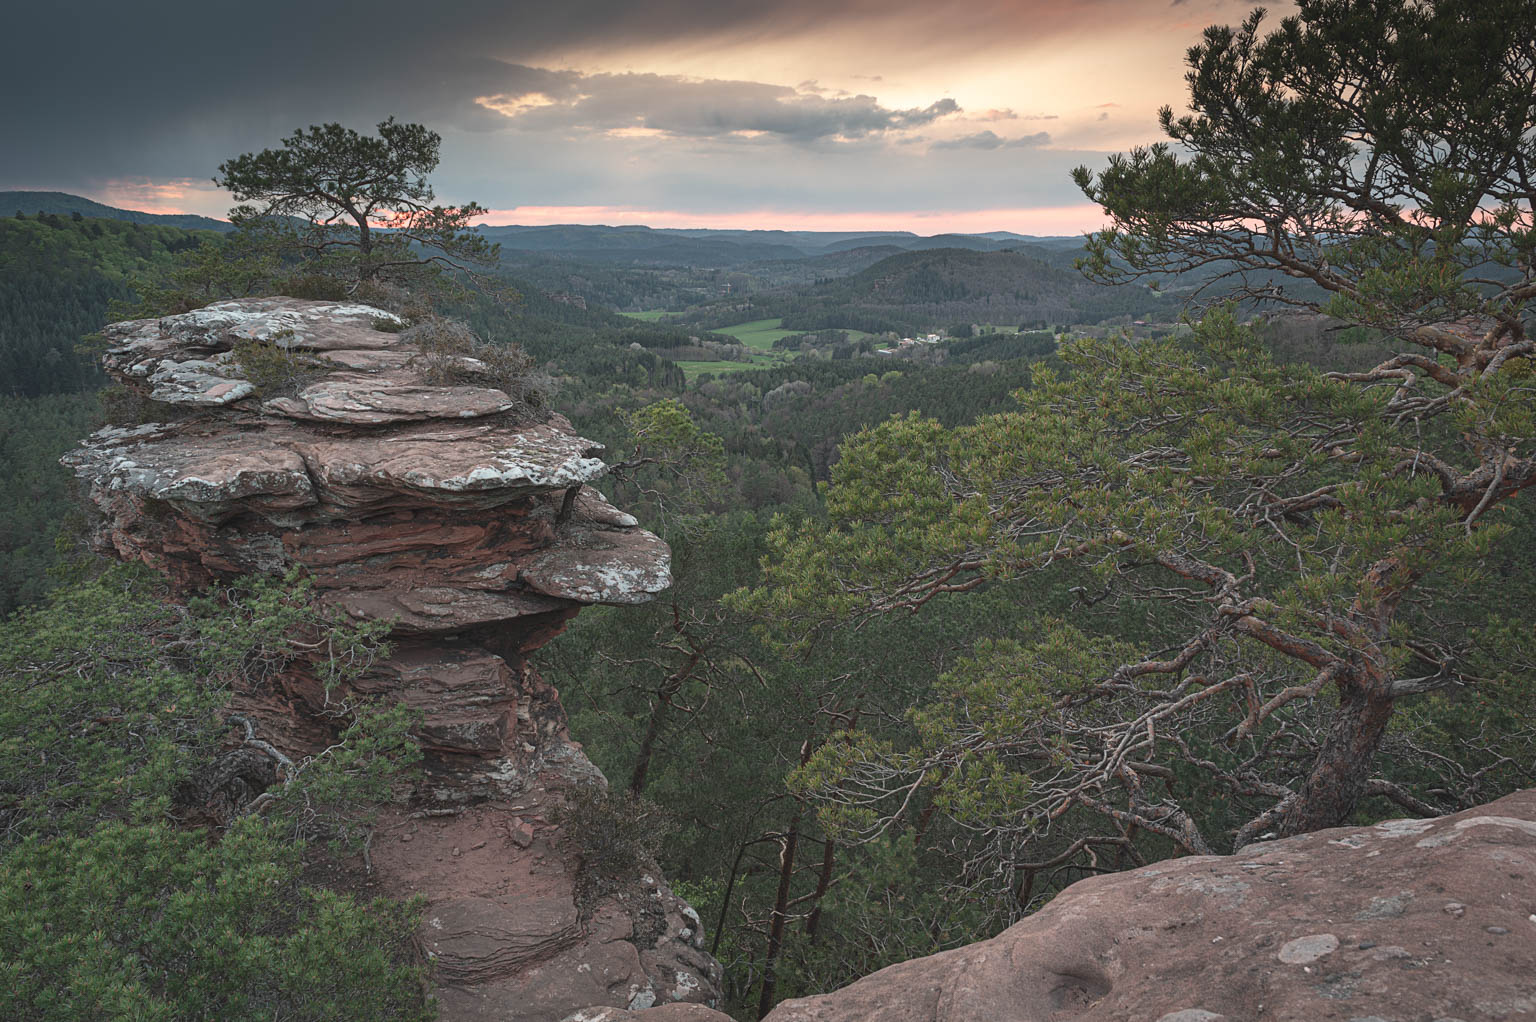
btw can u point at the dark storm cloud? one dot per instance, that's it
(168, 87)
(992, 140)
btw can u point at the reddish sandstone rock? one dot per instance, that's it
(433, 509)
(1406, 921)
(660, 1013)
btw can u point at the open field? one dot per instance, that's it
(649, 315)
(760, 333)
(692, 370)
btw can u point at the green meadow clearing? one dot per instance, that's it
(760, 333)
(692, 370)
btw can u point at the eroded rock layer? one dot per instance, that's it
(317, 435)
(1406, 921)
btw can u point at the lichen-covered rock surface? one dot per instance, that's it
(661, 1013)
(476, 535)
(1405, 921)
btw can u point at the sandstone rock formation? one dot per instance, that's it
(662, 1013)
(476, 534)
(1406, 921)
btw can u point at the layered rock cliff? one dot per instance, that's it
(412, 487)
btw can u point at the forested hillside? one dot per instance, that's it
(64, 204)
(37, 498)
(59, 276)
(915, 291)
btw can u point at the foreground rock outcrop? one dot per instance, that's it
(1406, 921)
(412, 488)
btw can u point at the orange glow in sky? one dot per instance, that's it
(1059, 220)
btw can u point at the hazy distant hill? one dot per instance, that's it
(628, 245)
(634, 245)
(646, 246)
(64, 204)
(912, 243)
(1023, 285)
(942, 287)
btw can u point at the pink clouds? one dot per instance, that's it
(178, 195)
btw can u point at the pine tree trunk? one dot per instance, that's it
(823, 884)
(780, 916)
(1343, 764)
(647, 747)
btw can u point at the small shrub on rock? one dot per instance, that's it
(276, 371)
(616, 836)
(451, 355)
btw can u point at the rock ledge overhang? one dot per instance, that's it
(426, 505)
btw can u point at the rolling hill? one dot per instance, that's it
(64, 204)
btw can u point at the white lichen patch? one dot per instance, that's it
(1461, 826)
(1305, 950)
(641, 998)
(514, 469)
(1403, 828)
(286, 322)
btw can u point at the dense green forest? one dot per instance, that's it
(59, 276)
(112, 903)
(39, 496)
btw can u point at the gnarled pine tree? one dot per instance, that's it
(359, 200)
(1272, 570)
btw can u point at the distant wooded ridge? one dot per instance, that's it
(603, 243)
(64, 204)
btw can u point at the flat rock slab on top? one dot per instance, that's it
(285, 322)
(364, 401)
(283, 465)
(188, 359)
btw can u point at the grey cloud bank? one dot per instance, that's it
(103, 93)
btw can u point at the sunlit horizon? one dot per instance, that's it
(1047, 221)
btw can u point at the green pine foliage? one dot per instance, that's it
(112, 906)
(147, 922)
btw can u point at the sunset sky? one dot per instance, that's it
(922, 115)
